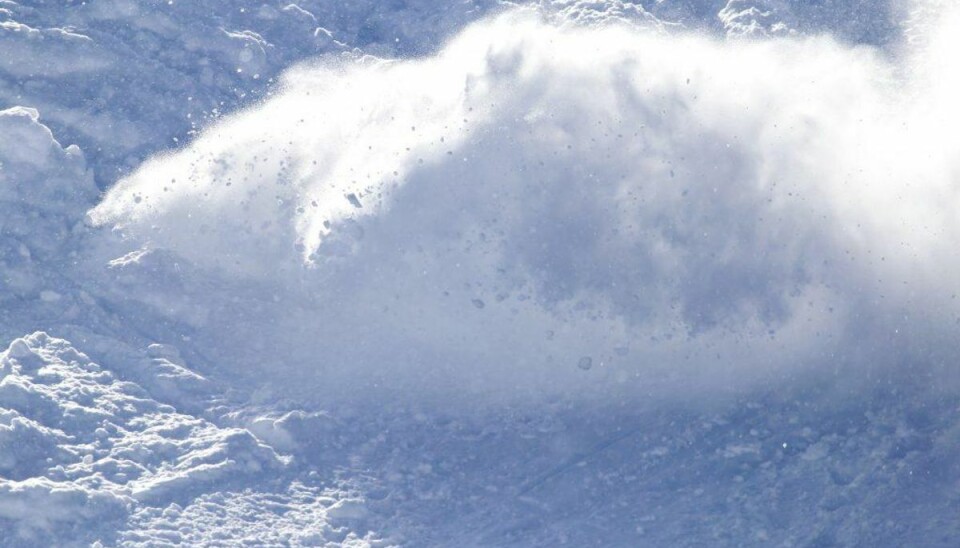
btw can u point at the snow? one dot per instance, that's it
(393, 195)
(83, 441)
(480, 273)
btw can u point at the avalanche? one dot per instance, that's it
(481, 273)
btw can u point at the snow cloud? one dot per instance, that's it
(688, 213)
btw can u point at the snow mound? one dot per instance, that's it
(44, 187)
(45, 190)
(78, 443)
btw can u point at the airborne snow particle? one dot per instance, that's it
(354, 201)
(585, 363)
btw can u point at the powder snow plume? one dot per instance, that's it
(591, 212)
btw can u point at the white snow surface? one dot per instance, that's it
(82, 445)
(480, 273)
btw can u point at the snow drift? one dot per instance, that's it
(593, 211)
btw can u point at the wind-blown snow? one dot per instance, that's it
(661, 203)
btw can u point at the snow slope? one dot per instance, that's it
(478, 274)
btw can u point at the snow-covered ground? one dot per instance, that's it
(479, 273)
